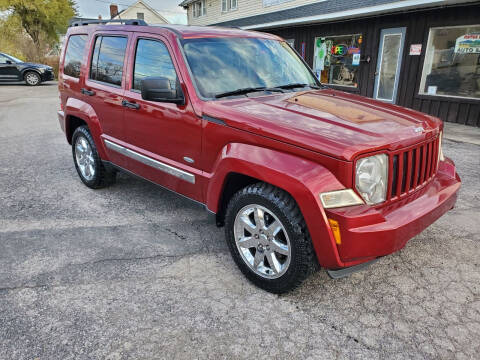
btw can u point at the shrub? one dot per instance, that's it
(52, 61)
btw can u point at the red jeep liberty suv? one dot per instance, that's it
(300, 175)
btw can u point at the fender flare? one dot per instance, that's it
(84, 111)
(303, 179)
(23, 71)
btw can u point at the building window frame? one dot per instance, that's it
(140, 16)
(354, 87)
(199, 9)
(427, 66)
(229, 5)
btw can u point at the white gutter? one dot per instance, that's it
(371, 10)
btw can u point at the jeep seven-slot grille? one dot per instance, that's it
(412, 168)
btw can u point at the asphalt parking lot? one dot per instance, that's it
(136, 272)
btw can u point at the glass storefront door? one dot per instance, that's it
(389, 64)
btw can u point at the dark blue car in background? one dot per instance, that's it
(13, 69)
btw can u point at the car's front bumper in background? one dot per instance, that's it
(48, 75)
(368, 232)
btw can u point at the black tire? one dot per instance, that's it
(102, 177)
(303, 260)
(32, 78)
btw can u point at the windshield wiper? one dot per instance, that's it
(295, 85)
(247, 90)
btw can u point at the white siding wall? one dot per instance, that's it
(150, 17)
(245, 8)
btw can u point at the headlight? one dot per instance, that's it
(371, 178)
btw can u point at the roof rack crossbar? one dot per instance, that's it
(121, 21)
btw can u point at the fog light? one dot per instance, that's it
(335, 230)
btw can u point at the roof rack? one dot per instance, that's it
(121, 21)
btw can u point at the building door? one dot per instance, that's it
(389, 63)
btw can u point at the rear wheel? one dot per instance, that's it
(268, 238)
(32, 78)
(87, 161)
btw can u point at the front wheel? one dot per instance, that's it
(268, 238)
(32, 78)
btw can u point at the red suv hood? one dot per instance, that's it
(327, 121)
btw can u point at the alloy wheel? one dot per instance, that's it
(32, 79)
(262, 241)
(84, 158)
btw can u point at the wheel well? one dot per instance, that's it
(233, 183)
(73, 123)
(29, 70)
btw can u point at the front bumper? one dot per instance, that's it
(61, 119)
(48, 75)
(368, 232)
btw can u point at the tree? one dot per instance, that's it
(42, 20)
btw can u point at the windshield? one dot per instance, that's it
(222, 65)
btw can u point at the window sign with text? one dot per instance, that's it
(337, 59)
(452, 62)
(468, 44)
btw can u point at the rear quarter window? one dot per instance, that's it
(107, 59)
(74, 55)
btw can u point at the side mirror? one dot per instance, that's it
(9, 62)
(159, 89)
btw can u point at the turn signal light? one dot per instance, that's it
(340, 198)
(336, 230)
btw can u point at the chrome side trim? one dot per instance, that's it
(151, 162)
(112, 146)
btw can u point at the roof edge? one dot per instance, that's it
(390, 7)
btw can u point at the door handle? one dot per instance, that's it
(87, 92)
(130, 105)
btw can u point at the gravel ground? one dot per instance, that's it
(134, 271)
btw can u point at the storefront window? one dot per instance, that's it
(452, 62)
(337, 59)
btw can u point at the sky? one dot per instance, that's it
(167, 8)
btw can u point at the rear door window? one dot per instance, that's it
(3, 59)
(107, 59)
(74, 55)
(152, 59)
